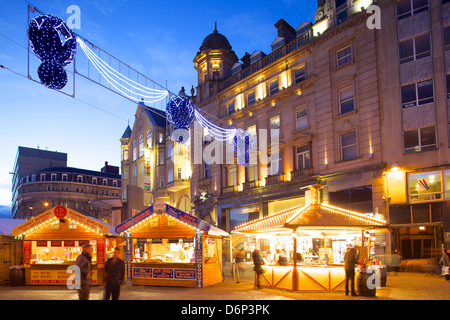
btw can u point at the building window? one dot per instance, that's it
(344, 56)
(42, 177)
(299, 75)
(274, 87)
(447, 79)
(420, 139)
(80, 179)
(141, 145)
(161, 181)
(415, 48)
(251, 98)
(407, 8)
(252, 172)
(52, 177)
(341, 11)
(302, 157)
(149, 138)
(230, 108)
(446, 38)
(417, 94)
(275, 127)
(346, 100)
(134, 150)
(115, 183)
(170, 175)
(425, 186)
(161, 158)
(94, 180)
(349, 146)
(206, 136)
(179, 173)
(231, 176)
(276, 165)
(161, 138)
(301, 117)
(206, 171)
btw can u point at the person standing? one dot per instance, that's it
(257, 262)
(445, 263)
(114, 276)
(350, 260)
(84, 263)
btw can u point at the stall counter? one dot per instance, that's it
(310, 278)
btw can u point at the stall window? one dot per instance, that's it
(425, 186)
(171, 222)
(72, 225)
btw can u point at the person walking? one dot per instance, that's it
(84, 263)
(114, 276)
(257, 262)
(350, 260)
(445, 263)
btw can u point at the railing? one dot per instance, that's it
(301, 174)
(275, 179)
(230, 189)
(250, 185)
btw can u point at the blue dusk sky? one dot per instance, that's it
(157, 38)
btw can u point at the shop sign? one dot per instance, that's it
(100, 253)
(60, 212)
(142, 273)
(187, 218)
(161, 273)
(187, 274)
(55, 243)
(26, 253)
(54, 277)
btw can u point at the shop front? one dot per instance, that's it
(168, 247)
(52, 241)
(303, 247)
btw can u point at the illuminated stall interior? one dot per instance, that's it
(52, 241)
(310, 236)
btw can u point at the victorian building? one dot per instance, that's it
(360, 110)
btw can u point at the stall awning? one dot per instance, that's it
(318, 216)
(62, 212)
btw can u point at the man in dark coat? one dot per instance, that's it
(114, 276)
(257, 262)
(84, 263)
(350, 260)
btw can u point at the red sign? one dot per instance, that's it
(26, 253)
(60, 212)
(100, 252)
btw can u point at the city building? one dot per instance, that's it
(153, 166)
(42, 180)
(359, 109)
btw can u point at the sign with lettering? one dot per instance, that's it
(55, 277)
(163, 273)
(199, 259)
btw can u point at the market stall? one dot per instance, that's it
(168, 247)
(52, 241)
(303, 247)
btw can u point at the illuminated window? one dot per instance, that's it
(134, 150)
(154, 221)
(231, 176)
(303, 157)
(275, 127)
(425, 186)
(149, 138)
(72, 225)
(141, 145)
(252, 172)
(55, 225)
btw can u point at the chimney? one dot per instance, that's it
(285, 30)
(246, 60)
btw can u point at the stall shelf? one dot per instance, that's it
(52, 241)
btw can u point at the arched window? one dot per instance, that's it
(134, 150)
(141, 145)
(149, 138)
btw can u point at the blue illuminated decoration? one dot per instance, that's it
(180, 112)
(243, 143)
(55, 45)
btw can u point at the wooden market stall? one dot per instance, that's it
(168, 247)
(52, 241)
(314, 237)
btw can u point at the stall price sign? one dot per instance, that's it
(199, 259)
(142, 273)
(163, 273)
(184, 274)
(26, 253)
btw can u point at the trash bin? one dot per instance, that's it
(16, 276)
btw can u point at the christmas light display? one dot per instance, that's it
(55, 45)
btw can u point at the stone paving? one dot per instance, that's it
(400, 286)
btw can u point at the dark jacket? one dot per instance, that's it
(350, 259)
(257, 261)
(114, 271)
(84, 263)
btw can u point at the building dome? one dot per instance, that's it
(215, 40)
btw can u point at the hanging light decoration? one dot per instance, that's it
(54, 44)
(243, 143)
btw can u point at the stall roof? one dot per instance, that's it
(318, 216)
(60, 212)
(180, 215)
(6, 225)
